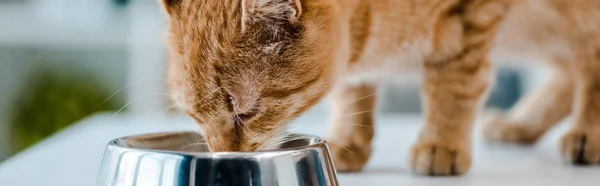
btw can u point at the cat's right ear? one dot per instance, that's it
(170, 6)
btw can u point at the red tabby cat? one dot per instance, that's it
(244, 68)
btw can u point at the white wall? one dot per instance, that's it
(16, 64)
(147, 59)
(122, 44)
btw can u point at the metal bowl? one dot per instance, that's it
(183, 159)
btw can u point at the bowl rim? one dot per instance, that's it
(115, 143)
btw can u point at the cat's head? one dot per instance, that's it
(244, 68)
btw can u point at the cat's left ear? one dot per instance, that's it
(271, 10)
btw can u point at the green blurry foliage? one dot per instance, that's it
(52, 100)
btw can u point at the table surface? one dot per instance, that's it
(73, 156)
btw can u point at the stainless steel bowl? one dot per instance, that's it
(183, 159)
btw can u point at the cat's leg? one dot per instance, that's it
(453, 95)
(581, 145)
(534, 114)
(457, 78)
(353, 128)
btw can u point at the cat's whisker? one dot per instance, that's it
(212, 113)
(134, 82)
(341, 146)
(136, 99)
(349, 104)
(204, 99)
(206, 104)
(211, 93)
(358, 113)
(356, 124)
(276, 136)
(361, 98)
(271, 138)
(165, 110)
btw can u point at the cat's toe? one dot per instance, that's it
(436, 159)
(350, 158)
(498, 129)
(581, 147)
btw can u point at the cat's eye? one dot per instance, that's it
(248, 115)
(244, 115)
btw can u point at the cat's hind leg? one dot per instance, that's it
(535, 113)
(581, 145)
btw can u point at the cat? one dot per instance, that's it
(243, 69)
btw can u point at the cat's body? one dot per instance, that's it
(383, 51)
(447, 42)
(244, 68)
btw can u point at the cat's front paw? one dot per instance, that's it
(439, 159)
(581, 147)
(350, 158)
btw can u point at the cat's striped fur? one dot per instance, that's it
(244, 68)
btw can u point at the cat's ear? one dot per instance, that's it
(271, 10)
(170, 6)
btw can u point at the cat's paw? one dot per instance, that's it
(498, 129)
(437, 159)
(350, 158)
(581, 147)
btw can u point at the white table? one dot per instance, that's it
(72, 157)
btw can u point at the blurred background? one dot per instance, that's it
(64, 60)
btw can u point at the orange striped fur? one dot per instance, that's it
(245, 68)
